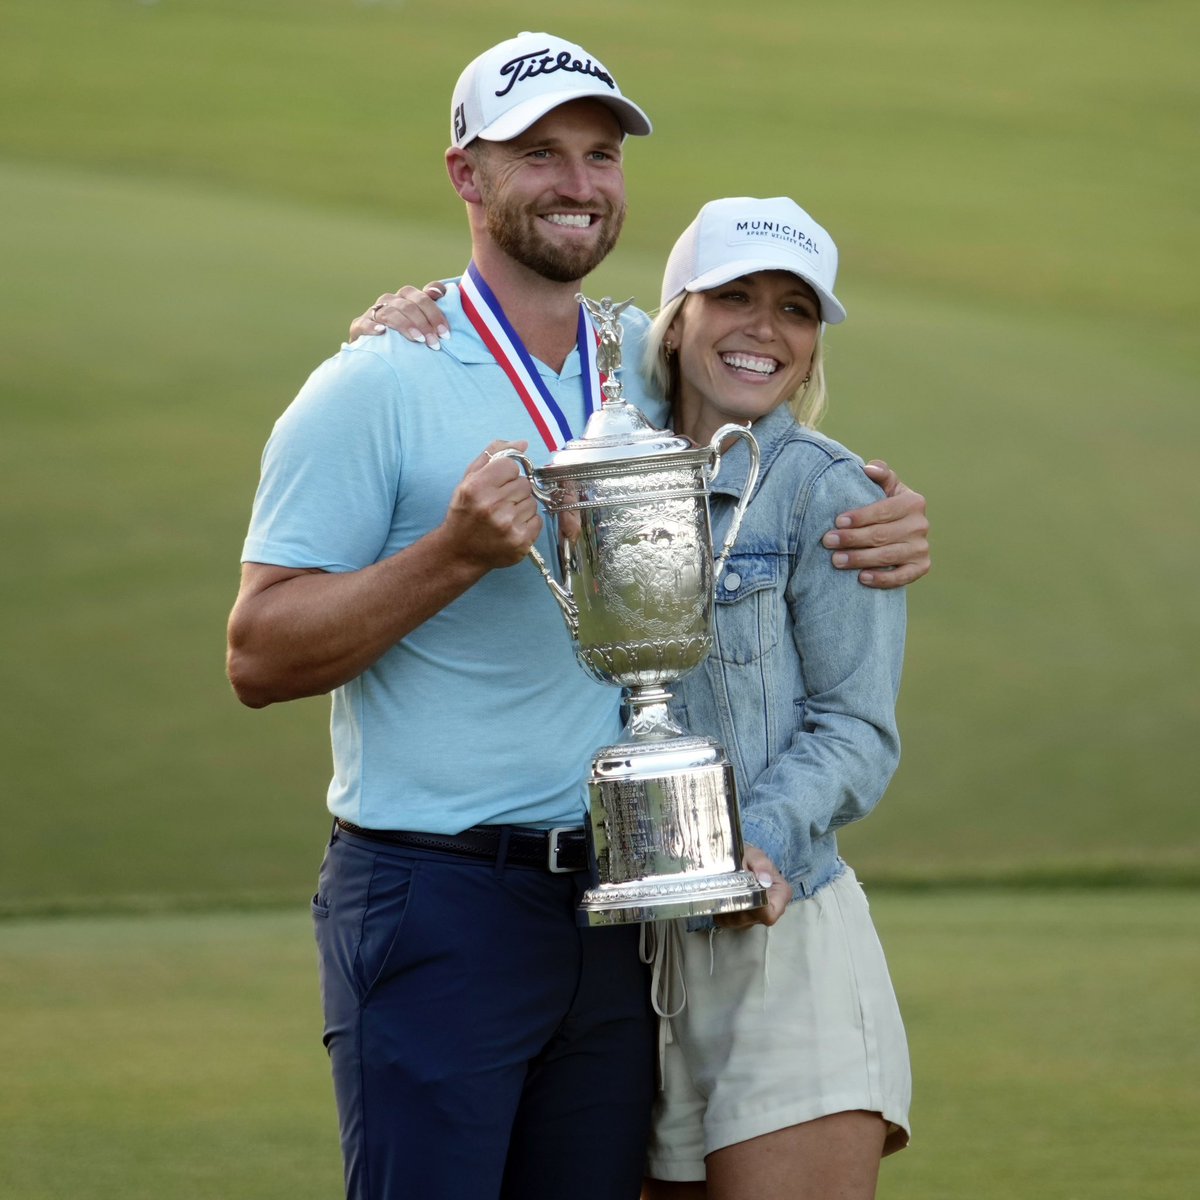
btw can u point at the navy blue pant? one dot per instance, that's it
(482, 1044)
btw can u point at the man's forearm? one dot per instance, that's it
(301, 633)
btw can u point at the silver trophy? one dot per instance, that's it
(627, 506)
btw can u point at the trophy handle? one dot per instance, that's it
(563, 598)
(735, 525)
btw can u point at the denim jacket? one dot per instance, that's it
(801, 685)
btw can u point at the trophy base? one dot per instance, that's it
(665, 897)
(664, 833)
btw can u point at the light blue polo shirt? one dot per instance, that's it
(481, 715)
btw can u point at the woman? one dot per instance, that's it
(784, 1067)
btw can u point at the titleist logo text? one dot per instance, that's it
(539, 62)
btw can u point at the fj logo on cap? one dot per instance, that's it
(460, 122)
(541, 62)
(773, 231)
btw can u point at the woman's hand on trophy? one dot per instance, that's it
(887, 542)
(411, 312)
(779, 894)
(493, 517)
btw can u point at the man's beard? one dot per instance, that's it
(514, 229)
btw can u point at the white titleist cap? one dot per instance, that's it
(512, 85)
(738, 236)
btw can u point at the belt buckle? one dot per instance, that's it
(552, 851)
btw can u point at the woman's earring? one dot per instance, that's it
(668, 351)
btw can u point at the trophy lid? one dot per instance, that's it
(618, 430)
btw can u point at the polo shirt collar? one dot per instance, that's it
(466, 346)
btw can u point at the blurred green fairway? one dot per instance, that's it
(173, 1056)
(196, 197)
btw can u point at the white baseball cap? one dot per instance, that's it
(512, 85)
(740, 235)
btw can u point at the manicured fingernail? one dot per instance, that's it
(415, 335)
(764, 879)
(842, 522)
(432, 342)
(443, 332)
(841, 560)
(831, 540)
(380, 328)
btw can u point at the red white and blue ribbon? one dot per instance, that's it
(484, 312)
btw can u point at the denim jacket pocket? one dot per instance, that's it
(748, 619)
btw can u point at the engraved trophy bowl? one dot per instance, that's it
(635, 571)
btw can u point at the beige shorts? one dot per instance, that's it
(778, 1026)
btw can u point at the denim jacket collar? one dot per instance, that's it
(772, 433)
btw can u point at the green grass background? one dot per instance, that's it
(169, 1056)
(195, 198)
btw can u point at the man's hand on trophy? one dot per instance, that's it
(779, 894)
(493, 517)
(887, 542)
(411, 312)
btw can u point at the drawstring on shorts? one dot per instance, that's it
(659, 948)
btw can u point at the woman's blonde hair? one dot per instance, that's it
(807, 402)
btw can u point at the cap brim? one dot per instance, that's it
(521, 116)
(832, 312)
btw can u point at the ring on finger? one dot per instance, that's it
(375, 309)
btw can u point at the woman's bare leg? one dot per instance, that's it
(831, 1158)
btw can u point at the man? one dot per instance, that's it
(481, 1043)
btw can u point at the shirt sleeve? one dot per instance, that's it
(331, 470)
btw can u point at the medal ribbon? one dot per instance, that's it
(483, 310)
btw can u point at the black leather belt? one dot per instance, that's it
(557, 850)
